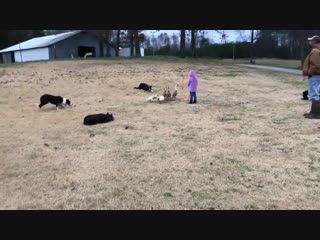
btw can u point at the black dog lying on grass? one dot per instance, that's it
(144, 87)
(98, 118)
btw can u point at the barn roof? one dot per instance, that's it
(40, 42)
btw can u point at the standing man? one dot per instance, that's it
(311, 69)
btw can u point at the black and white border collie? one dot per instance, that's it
(55, 100)
(144, 87)
(98, 118)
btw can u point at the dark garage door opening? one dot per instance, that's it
(12, 57)
(83, 50)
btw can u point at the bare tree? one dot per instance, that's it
(154, 42)
(252, 38)
(147, 42)
(193, 42)
(137, 43)
(301, 36)
(108, 41)
(242, 36)
(251, 47)
(164, 39)
(130, 35)
(135, 37)
(183, 43)
(118, 43)
(223, 35)
(175, 41)
(194, 37)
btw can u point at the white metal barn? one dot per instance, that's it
(31, 55)
(58, 46)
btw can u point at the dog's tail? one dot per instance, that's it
(38, 105)
(136, 88)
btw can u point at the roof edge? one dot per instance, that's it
(75, 32)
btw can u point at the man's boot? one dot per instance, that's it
(316, 110)
(312, 109)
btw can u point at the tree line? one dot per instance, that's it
(285, 44)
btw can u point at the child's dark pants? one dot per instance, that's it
(193, 97)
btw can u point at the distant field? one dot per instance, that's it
(245, 145)
(292, 64)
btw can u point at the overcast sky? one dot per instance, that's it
(233, 35)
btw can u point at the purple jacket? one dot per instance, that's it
(193, 81)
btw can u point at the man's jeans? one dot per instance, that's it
(313, 87)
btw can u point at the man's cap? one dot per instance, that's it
(314, 38)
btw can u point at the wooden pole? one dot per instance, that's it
(233, 52)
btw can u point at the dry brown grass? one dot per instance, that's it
(244, 146)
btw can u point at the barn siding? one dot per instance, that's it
(51, 53)
(125, 52)
(6, 57)
(113, 52)
(66, 47)
(69, 46)
(29, 55)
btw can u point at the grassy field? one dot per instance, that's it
(245, 145)
(292, 64)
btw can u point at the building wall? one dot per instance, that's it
(28, 55)
(61, 50)
(125, 52)
(6, 57)
(112, 51)
(69, 46)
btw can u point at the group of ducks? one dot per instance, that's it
(166, 95)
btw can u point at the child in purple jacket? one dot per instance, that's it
(193, 86)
